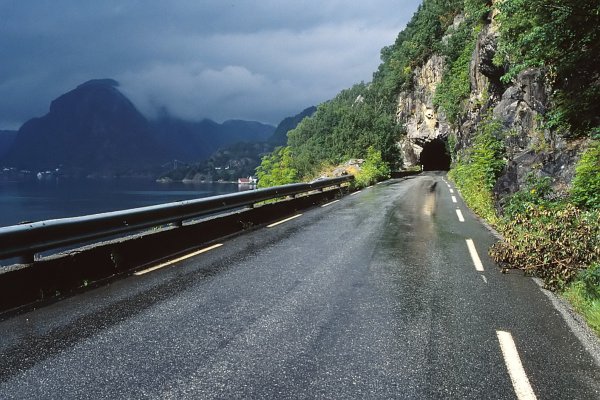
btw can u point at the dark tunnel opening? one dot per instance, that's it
(435, 156)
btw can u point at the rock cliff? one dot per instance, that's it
(530, 147)
(415, 110)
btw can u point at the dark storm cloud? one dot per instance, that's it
(261, 60)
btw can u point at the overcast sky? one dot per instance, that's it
(249, 59)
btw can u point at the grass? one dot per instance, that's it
(588, 307)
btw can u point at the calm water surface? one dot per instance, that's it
(59, 198)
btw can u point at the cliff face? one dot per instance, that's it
(530, 148)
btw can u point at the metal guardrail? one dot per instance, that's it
(28, 239)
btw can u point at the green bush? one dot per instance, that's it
(455, 86)
(276, 169)
(590, 280)
(552, 243)
(344, 128)
(372, 170)
(586, 185)
(563, 38)
(477, 169)
(537, 192)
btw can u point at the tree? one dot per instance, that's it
(276, 169)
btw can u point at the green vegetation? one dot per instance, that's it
(562, 37)
(585, 302)
(374, 169)
(457, 49)
(555, 236)
(475, 173)
(418, 41)
(455, 86)
(276, 169)
(586, 185)
(344, 128)
(553, 243)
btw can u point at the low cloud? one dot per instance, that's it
(260, 60)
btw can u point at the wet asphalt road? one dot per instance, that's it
(374, 296)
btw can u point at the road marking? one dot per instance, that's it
(515, 368)
(474, 255)
(357, 192)
(454, 199)
(283, 220)
(195, 253)
(330, 203)
(451, 190)
(484, 278)
(460, 216)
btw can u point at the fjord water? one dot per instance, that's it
(60, 198)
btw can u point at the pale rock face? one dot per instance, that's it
(416, 112)
(519, 106)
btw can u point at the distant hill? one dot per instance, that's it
(95, 130)
(279, 137)
(237, 160)
(91, 129)
(194, 141)
(6, 140)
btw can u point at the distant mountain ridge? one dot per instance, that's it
(7, 138)
(237, 160)
(95, 130)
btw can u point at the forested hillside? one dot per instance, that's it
(511, 90)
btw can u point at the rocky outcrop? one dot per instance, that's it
(530, 147)
(416, 112)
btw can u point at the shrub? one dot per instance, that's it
(276, 169)
(537, 192)
(372, 170)
(590, 281)
(552, 243)
(586, 185)
(477, 170)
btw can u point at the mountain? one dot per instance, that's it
(279, 137)
(96, 130)
(93, 129)
(7, 138)
(240, 159)
(193, 141)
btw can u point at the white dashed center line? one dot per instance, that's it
(460, 216)
(451, 190)
(515, 368)
(454, 199)
(356, 193)
(474, 255)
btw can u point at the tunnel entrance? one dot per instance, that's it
(434, 156)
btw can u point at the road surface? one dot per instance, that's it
(384, 294)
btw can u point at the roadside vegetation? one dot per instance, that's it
(549, 234)
(476, 170)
